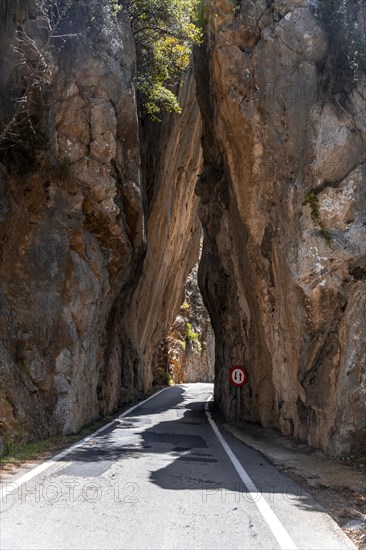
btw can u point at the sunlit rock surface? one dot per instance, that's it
(283, 206)
(187, 353)
(93, 263)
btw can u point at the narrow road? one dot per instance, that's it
(160, 478)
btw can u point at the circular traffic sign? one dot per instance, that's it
(238, 376)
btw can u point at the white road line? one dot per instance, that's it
(13, 486)
(282, 536)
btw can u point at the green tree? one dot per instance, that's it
(164, 32)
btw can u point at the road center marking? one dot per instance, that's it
(12, 487)
(282, 536)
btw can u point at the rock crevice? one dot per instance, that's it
(99, 227)
(282, 203)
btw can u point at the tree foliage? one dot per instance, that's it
(164, 32)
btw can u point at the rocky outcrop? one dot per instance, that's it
(187, 353)
(283, 209)
(173, 228)
(99, 226)
(91, 261)
(72, 228)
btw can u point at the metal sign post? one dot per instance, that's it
(237, 404)
(238, 378)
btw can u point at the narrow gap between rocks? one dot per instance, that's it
(187, 353)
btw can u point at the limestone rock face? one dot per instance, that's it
(90, 259)
(174, 160)
(72, 230)
(187, 353)
(283, 206)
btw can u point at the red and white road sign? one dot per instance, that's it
(238, 376)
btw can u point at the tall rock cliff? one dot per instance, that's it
(173, 228)
(99, 225)
(93, 263)
(283, 205)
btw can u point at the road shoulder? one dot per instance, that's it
(338, 488)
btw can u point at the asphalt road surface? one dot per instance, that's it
(164, 476)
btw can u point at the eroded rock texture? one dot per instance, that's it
(187, 353)
(173, 228)
(76, 227)
(99, 226)
(283, 205)
(72, 232)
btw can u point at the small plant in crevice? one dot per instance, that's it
(163, 377)
(182, 344)
(192, 339)
(312, 200)
(169, 379)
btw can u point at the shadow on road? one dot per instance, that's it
(195, 459)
